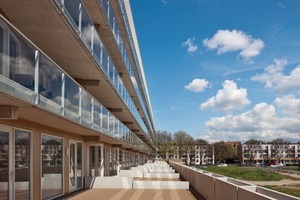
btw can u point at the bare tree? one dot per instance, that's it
(164, 143)
(181, 140)
(190, 150)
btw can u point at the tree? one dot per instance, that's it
(190, 150)
(181, 139)
(164, 143)
(202, 147)
(223, 151)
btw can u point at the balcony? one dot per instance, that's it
(41, 90)
(73, 43)
(115, 45)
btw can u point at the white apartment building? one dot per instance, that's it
(270, 154)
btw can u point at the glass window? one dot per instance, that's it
(4, 163)
(50, 80)
(79, 165)
(52, 168)
(22, 165)
(71, 95)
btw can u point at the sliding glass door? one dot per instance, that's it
(14, 164)
(75, 168)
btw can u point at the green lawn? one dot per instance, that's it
(246, 173)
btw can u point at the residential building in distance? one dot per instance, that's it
(74, 101)
(270, 153)
(193, 154)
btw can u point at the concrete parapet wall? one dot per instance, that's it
(174, 185)
(161, 175)
(274, 194)
(225, 190)
(216, 187)
(249, 193)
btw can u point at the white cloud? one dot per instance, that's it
(288, 105)
(274, 78)
(164, 1)
(228, 41)
(280, 4)
(190, 45)
(228, 99)
(261, 123)
(197, 85)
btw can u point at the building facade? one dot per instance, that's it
(193, 154)
(74, 101)
(270, 154)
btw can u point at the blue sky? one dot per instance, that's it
(222, 70)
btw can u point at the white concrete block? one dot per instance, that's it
(162, 170)
(109, 182)
(131, 173)
(161, 175)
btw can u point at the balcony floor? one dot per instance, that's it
(136, 194)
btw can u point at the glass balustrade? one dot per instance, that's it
(28, 74)
(77, 15)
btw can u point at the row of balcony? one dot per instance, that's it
(129, 33)
(111, 19)
(80, 21)
(30, 75)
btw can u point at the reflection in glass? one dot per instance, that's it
(51, 179)
(22, 165)
(1, 49)
(4, 165)
(86, 106)
(21, 60)
(86, 27)
(105, 119)
(50, 80)
(72, 166)
(71, 95)
(79, 165)
(73, 9)
(97, 115)
(92, 160)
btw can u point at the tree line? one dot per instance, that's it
(183, 145)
